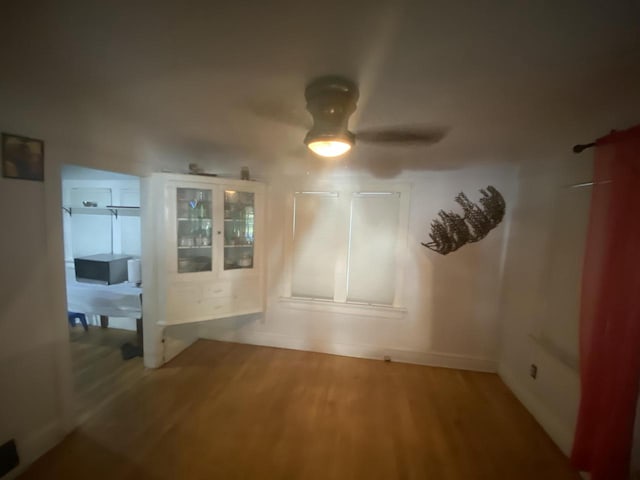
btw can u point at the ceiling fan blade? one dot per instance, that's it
(403, 135)
(281, 113)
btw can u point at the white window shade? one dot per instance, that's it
(317, 240)
(372, 247)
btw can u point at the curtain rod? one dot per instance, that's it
(579, 148)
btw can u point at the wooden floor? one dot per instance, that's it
(99, 372)
(232, 411)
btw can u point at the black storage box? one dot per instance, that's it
(103, 268)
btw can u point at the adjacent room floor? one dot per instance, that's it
(99, 371)
(233, 411)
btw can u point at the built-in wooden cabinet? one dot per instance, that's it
(207, 241)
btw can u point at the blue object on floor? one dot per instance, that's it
(73, 316)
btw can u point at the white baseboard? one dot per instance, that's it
(433, 359)
(35, 445)
(558, 429)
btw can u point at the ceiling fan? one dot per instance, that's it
(331, 100)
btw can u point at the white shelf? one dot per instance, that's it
(194, 247)
(115, 210)
(239, 246)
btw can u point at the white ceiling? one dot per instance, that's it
(510, 79)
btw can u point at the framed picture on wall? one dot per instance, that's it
(22, 157)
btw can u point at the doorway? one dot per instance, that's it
(102, 250)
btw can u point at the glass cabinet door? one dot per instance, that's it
(239, 219)
(194, 224)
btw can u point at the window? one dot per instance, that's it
(316, 241)
(347, 245)
(372, 254)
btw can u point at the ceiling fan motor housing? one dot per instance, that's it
(331, 100)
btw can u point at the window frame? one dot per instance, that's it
(345, 193)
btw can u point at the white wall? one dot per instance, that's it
(451, 301)
(34, 360)
(36, 403)
(540, 298)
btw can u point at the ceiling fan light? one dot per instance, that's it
(329, 148)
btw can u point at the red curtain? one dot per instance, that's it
(610, 312)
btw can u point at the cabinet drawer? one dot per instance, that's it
(216, 290)
(213, 307)
(197, 301)
(245, 287)
(181, 301)
(181, 311)
(181, 294)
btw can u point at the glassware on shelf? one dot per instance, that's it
(238, 229)
(194, 225)
(245, 260)
(186, 241)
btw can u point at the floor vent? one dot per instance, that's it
(8, 457)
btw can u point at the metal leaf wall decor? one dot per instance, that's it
(451, 231)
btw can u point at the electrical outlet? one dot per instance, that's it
(533, 370)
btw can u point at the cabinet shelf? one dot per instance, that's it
(198, 247)
(194, 219)
(239, 246)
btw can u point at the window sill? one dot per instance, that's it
(328, 306)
